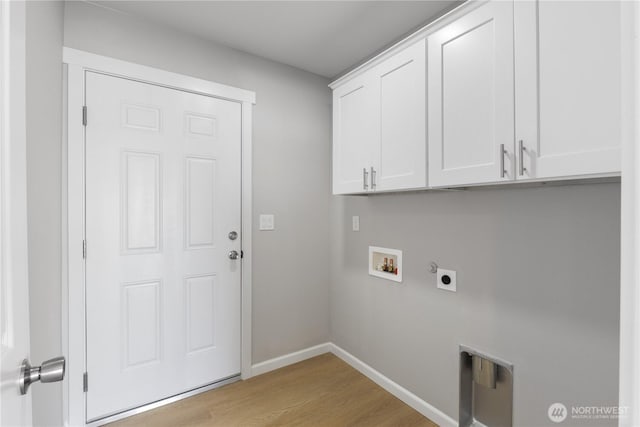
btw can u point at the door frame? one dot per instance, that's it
(629, 371)
(76, 64)
(14, 268)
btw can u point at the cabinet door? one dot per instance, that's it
(354, 135)
(568, 73)
(471, 106)
(402, 156)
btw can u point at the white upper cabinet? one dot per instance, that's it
(516, 90)
(402, 157)
(379, 126)
(568, 87)
(471, 108)
(354, 135)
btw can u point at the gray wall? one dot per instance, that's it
(292, 145)
(291, 176)
(538, 285)
(538, 268)
(44, 30)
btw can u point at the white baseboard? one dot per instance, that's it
(392, 387)
(426, 409)
(290, 359)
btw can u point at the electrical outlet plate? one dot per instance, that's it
(355, 223)
(267, 222)
(452, 276)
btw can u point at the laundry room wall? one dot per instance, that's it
(538, 285)
(538, 268)
(291, 151)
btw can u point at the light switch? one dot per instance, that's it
(355, 223)
(267, 222)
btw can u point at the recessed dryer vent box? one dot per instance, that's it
(486, 390)
(385, 263)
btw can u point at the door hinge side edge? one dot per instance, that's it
(84, 115)
(85, 382)
(84, 249)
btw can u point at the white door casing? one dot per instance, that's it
(15, 410)
(629, 373)
(80, 66)
(471, 106)
(162, 195)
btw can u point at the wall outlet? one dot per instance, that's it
(446, 279)
(355, 223)
(267, 222)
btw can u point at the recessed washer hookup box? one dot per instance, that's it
(385, 263)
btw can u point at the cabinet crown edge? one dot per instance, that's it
(405, 42)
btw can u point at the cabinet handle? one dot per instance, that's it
(373, 178)
(365, 184)
(502, 153)
(522, 149)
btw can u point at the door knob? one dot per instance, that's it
(52, 370)
(234, 255)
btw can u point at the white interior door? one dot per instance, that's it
(15, 410)
(471, 106)
(162, 195)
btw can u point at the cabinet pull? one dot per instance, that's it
(373, 178)
(502, 153)
(522, 149)
(365, 183)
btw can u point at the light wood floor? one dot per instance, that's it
(323, 391)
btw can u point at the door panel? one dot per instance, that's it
(402, 85)
(200, 182)
(140, 201)
(162, 193)
(568, 92)
(354, 135)
(15, 410)
(471, 109)
(468, 96)
(141, 323)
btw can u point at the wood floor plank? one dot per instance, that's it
(323, 391)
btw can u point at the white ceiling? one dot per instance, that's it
(323, 37)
